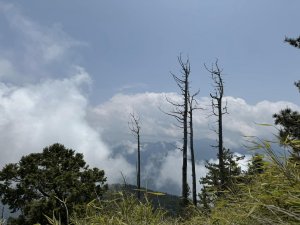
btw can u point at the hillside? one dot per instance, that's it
(171, 203)
(156, 155)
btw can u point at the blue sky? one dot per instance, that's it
(72, 72)
(131, 46)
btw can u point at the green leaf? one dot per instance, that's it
(264, 124)
(156, 193)
(252, 210)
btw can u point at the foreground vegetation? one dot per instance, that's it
(268, 193)
(268, 197)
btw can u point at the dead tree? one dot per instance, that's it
(192, 106)
(134, 126)
(180, 113)
(219, 110)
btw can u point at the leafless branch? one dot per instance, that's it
(134, 124)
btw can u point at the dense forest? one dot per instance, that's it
(56, 186)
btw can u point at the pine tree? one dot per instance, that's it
(256, 164)
(289, 132)
(53, 182)
(212, 183)
(293, 41)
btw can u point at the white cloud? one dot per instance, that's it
(171, 171)
(244, 162)
(115, 114)
(242, 120)
(35, 116)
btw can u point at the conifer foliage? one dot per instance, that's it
(52, 182)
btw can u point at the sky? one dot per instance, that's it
(73, 71)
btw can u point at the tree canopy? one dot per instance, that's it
(293, 41)
(212, 187)
(289, 132)
(51, 182)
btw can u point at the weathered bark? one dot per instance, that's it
(185, 137)
(219, 110)
(221, 148)
(139, 166)
(134, 126)
(192, 107)
(181, 115)
(194, 189)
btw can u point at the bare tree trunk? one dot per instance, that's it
(139, 166)
(219, 110)
(64, 203)
(192, 107)
(180, 113)
(194, 189)
(221, 148)
(134, 126)
(185, 141)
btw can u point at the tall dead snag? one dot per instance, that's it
(192, 106)
(180, 113)
(134, 126)
(219, 110)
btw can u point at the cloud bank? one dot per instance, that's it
(35, 116)
(111, 120)
(243, 119)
